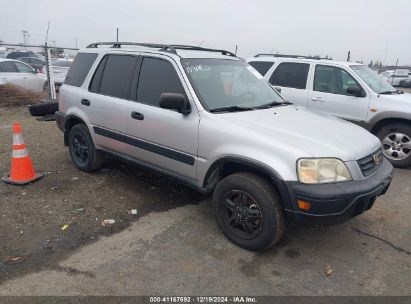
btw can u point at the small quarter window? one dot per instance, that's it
(79, 69)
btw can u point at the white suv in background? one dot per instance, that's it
(347, 90)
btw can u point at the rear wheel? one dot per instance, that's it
(249, 211)
(396, 143)
(82, 151)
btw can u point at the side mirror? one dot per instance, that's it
(355, 91)
(278, 89)
(174, 101)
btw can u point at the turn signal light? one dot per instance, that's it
(304, 205)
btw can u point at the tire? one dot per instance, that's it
(251, 227)
(396, 143)
(82, 151)
(43, 108)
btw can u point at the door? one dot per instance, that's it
(292, 77)
(163, 138)
(330, 95)
(108, 99)
(10, 74)
(31, 80)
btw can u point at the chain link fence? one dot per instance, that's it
(51, 62)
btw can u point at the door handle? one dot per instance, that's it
(318, 99)
(85, 102)
(136, 115)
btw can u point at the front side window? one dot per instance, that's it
(79, 69)
(117, 74)
(291, 75)
(7, 67)
(330, 79)
(221, 83)
(157, 76)
(261, 66)
(23, 68)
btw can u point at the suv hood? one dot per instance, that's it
(308, 133)
(401, 102)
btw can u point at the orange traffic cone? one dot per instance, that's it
(21, 172)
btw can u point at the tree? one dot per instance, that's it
(56, 52)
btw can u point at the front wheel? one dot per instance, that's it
(249, 211)
(82, 151)
(396, 144)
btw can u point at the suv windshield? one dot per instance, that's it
(372, 79)
(232, 85)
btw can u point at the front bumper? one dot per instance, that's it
(336, 202)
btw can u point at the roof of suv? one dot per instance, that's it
(271, 58)
(179, 51)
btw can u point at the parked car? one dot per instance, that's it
(60, 68)
(35, 63)
(19, 54)
(405, 83)
(395, 77)
(209, 120)
(21, 74)
(350, 91)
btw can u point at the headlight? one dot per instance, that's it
(324, 170)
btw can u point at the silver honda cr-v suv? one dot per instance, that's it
(211, 121)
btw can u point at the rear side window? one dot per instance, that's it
(7, 67)
(80, 68)
(261, 66)
(117, 74)
(291, 75)
(157, 76)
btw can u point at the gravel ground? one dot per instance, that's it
(173, 246)
(31, 217)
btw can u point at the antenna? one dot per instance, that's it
(25, 37)
(349, 56)
(47, 32)
(395, 70)
(379, 71)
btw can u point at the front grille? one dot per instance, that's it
(371, 163)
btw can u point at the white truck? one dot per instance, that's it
(347, 90)
(395, 77)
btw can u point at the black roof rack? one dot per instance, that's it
(162, 47)
(198, 48)
(290, 56)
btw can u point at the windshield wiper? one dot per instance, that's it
(387, 92)
(272, 104)
(269, 105)
(230, 109)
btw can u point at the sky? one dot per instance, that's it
(370, 29)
